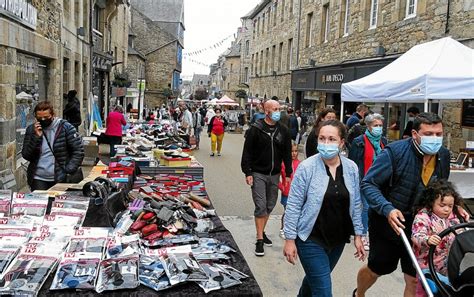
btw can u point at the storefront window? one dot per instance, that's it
(30, 88)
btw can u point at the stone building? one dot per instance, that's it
(136, 73)
(199, 81)
(30, 71)
(168, 15)
(231, 72)
(246, 46)
(163, 52)
(345, 40)
(110, 25)
(273, 44)
(215, 79)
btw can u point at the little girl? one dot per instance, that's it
(283, 185)
(437, 211)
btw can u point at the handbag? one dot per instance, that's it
(71, 178)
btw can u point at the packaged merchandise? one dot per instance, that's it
(122, 246)
(31, 204)
(58, 220)
(77, 271)
(118, 273)
(5, 202)
(232, 271)
(85, 244)
(217, 278)
(152, 274)
(181, 266)
(27, 274)
(211, 245)
(172, 241)
(59, 235)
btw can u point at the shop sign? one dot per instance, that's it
(332, 79)
(20, 10)
(101, 63)
(303, 80)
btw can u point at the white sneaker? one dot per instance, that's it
(282, 234)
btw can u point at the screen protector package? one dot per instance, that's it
(5, 202)
(232, 271)
(70, 205)
(152, 274)
(122, 246)
(27, 273)
(59, 220)
(117, 274)
(181, 266)
(54, 235)
(210, 245)
(217, 279)
(85, 244)
(30, 204)
(171, 241)
(77, 271)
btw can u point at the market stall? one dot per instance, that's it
(129, 228)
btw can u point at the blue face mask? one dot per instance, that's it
(275, 116)
(328, 151)
(377, 131)
(430, 145)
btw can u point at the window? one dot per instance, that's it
(266, 59)
(77, 20)
(246, 75)
(252, 63)
(346, 17)
(282, 10)
(262, 70)
(96, 18)
(280, 55)
(247, 48)
(269, 19)
(231, 66)
(228, 86)
(263, 23)
(325, 22)
(309, 26)
(411, 8)
(289, 59)
(272, 66)
(254, 27)
(291, 7)
(275, 13)
(374, 6)
(256, 63)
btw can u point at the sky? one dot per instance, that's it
(208, 22)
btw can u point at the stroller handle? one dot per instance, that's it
(415, 262)
(443, 233)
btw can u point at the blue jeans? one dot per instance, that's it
(365, 213)
(317, 264)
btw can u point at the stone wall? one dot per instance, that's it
(232, 81)
(267, 77)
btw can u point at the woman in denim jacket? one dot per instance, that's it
(324, 209)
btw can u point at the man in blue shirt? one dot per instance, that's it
(360, 113)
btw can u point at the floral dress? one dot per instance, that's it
(426, 224)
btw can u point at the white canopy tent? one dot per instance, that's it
(441, 70)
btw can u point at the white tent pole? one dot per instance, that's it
(342, 111)
(426, 105)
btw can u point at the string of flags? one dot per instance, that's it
(214, 46)
(196, 62)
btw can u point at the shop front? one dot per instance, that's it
(319, 87)
(102, 64)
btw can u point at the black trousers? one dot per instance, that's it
(41, 184)
(114, 140)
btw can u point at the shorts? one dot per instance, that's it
(385, 254)
(284, 200)
(264, 193)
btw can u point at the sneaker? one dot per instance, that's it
(267, 240)
(282, 234)
(212, 155)
(219, 154)
(259, 251)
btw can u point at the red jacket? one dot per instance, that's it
(282, 185)
(115, 121)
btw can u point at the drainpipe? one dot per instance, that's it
(446, 28)
(299, 34)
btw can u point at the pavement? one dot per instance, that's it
(231, 197)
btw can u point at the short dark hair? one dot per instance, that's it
(44, 105)
(71, 94)
(439, 189)
(323, 113)
(335, 123)
(427, 118)
(274, 98)
(361, 107)
(413, 110)
(218, 109)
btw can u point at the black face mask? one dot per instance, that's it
(45, 123)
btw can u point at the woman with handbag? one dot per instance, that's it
(54, 149)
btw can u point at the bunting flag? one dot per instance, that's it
(196, 62)
(213, 46)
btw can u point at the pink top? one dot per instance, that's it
(115, 121)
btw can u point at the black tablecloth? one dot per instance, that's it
(97, 216)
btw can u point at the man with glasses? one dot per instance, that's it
(53, 147)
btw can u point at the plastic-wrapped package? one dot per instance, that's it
(124, 224)
(204, 226)
(63, 220)
(5, 202)
(58, 235)
(118, 273)
(210, 245)
(181, 266)
(122, 246)
(27, 274)
(217, 278)
(30, 204)
(171, 241)
(70, 205)
(232, 271)
(152, 274)
(77, 271)
(9, 248)
(86, 244)
(13, 230)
